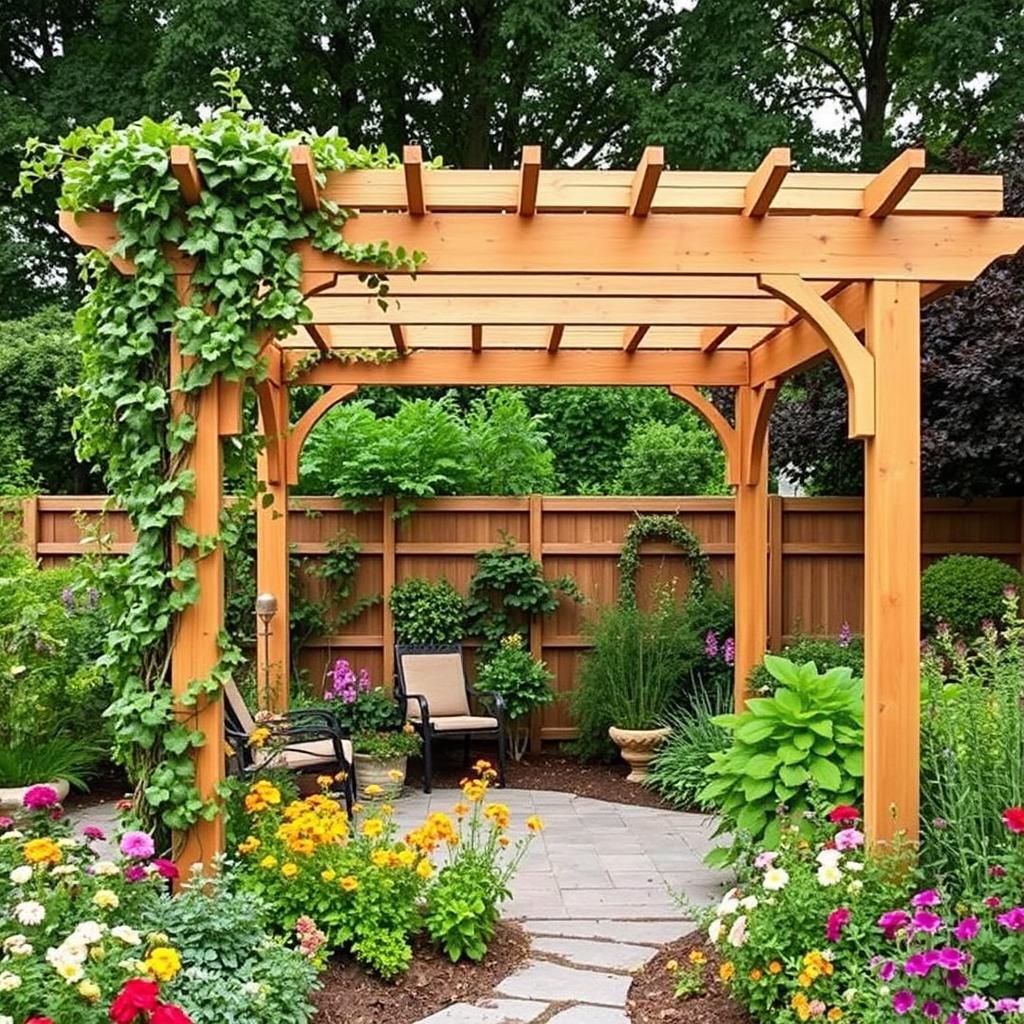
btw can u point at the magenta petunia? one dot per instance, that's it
(954, 1018)
(5, 822)
(134, 873)
(887, 971)
(928, 898)
(837, 921)
(967, 929)
(973, 1003)
(993, 902)
(1009, 1006)
(1013, 919)
(903, 1001)
(917, 965)
(892, 921)
(166, 868)
(997, 871)
(931, 1009)
(39, 798)
(94, 832)
(138, 845)
(951, 959)
(957, 980)
(926, 921)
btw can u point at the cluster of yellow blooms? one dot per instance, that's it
(42, 851)
(815, 965)
(262, 795)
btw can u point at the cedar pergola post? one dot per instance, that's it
(892, 564)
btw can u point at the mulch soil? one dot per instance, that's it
(652, 1000)
(550, 771)
(351, 995)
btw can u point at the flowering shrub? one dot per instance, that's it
(793, 934)
(807, 736)
(358, 705)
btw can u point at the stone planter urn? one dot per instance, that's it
(377, 771)
(11, 797)
(638, 747)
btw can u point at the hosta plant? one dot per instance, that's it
(807, 736)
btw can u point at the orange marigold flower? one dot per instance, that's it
(756, 974)
(726, 971)
(42, 851)
(325, 781)
(248, 845)
(349, 883)
(804, 980)
(697, 957)
(834, 1014)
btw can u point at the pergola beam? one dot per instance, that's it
(412, 167)
(765, 183)
(555, 337)
(321, 335)
(632, 336)
(398, 337)
(886, 190)
(529, 176)
(304, 173)
(712, 337)
(645, 181)
(186, 173)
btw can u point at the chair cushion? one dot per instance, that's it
(306, 754)
(440, 679)
(463, 723)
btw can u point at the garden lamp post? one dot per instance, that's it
(266, 609)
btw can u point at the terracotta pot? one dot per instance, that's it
(11, 798)
(638, 747)
(372, 771)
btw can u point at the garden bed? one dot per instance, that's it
(652, 999)
(351, 995)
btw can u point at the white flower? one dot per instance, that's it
(21, 875)
(730, 903)
(715, 930)
(829, 874)
(854, 865)
(776, 879)
(9, 981)
(129, 936)
(13, 940)
(830, 857)
(849, 995)
(12, 834)
(67, 843)
(855, 886)
(738, 931)
(65, 869)
(749, 903)
(133, 966)
(250, 988)
(69, 971)
(106, 899)
(89, 932)
(30, 912)
(105, 867)
(4, 1019)
(17, 945)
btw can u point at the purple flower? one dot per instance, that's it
(887, 971)
(729, 651)
(93, 597)
(765, 859)
(950, 958)
(711, 644)
(992, 902)
(837, 921)
(93, 832)
(38, 798)
(926, 921)
(917, 965)
(903, 1001)
(67, 598)
(967, 929)
(954, 1018)
(973, 1003)
(134, 873)
(956, 980)
(1009, 1006)
(939, 824)
(997, 871)
(849, 839)
(138, 845)
(1013, 919)
(930, 1008)
(845, 635)
(892, 921)
(928, 898)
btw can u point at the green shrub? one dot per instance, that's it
(972, 750)
(428, 613)
(678, 771)
(807, 736)
(672, 458)
(964, 591)
(844, 651)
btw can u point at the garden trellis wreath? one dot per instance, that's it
(646, 527)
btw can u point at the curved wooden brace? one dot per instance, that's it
(310, 418)
(855, 362)
(753, 413)
(727, 435)
(271, 428)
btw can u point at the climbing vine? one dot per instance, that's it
(244, 290)
(644, 528)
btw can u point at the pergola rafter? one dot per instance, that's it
(646, 277)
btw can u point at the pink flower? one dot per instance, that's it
(956, 980)
(918, 966)
(167, 1014)
(967, 929)
(166, 868)
(892, 921)
(887, 971)
(765, 859)
(38, 798)
(134, 873)
(928, 898)
(837, 920)
(138, 845)
(926, 921)
(843, 814)
(1013, 919)
(954, 1018)
(1009, 1006)
(931, 1009)
(992, 902)
(903, 1001)
(1013, 819)
(849, 839)
(950, 958)
(729, 651)
(93, 832)
(973, 1003)
(5, 822)
(997, 871)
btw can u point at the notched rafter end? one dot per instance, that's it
(766, 181)
(304, 173)
(645, 181)
(412, 166)
(529, 176)
(886, 190)
(186, 172)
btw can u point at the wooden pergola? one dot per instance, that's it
(646, 277)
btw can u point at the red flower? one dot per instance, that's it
(166, 1014)
(136, 996)
(39, 1020)
(165, 868)
(843, 813)
(1013, 819)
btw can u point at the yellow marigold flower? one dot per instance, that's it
(697, 957)
(726, 971)
(504, 841)
(804, 980)
(89, 990)
(289, 869)
(396, 776)
(42, 851)
(386, 810)
(424, 869)
(775, 967)
(269, 862)
(373, 789)
(835, 1014)
(258, 737)
(248, 845)
(303, 847)
(357, 808)
(106, 899)
(406, 858)
(163, 963)
(672, 965)
(498, 814)
(460, 810)
(482, 767)
(756, 974)
(340, 776)
(372, 827)
(349, 883)
(534, 824)
(380, 858)
(328, 874)
(408, 728)
(325, 781)
(474, 790)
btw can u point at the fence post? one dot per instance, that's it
(30, 525)
(387, 582)
(536, 532)
(775, 530)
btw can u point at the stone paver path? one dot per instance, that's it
(594, 892)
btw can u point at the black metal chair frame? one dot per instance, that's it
(290, 730)
(491, 702)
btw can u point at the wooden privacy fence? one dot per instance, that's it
(816, 573)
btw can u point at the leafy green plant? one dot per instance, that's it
(807, 737)
(427, 612)
(644, 528)
(678, 771)
(846, 650)
(523, 683)
(963, 591)
(672, 458)
(383, 746)
(508, 451)
(507, 588)
(49, 758)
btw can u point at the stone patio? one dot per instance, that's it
(596, 892)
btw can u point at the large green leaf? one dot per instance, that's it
(793, 775)
(755, 730)
(762, 766)
(825, 774)
(755, 789)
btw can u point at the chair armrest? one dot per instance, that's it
(328, 719)
(423, 706)
(496, 700)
